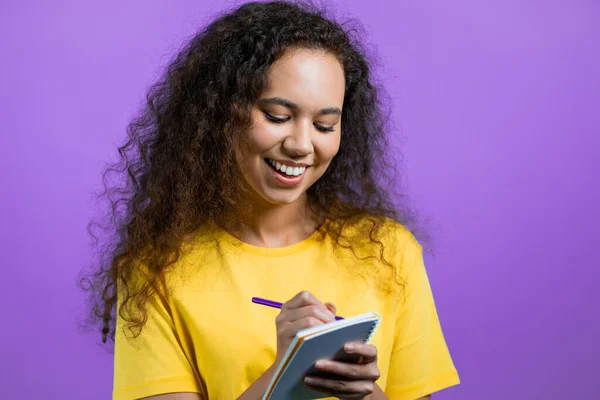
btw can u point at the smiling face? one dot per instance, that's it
(296, 126)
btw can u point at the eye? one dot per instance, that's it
(275, 119)
(324, 128)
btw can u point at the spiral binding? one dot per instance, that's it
(375, 325)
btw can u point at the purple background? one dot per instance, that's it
(500, 105)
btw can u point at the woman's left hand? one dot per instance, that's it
(352, 380)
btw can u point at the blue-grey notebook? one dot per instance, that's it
(321, 342)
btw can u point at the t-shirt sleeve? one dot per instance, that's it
(154, 362)
(420, 363)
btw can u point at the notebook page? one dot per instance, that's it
(336, 324)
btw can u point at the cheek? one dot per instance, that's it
(262, 137)
(328, 147)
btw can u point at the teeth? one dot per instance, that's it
(290, 171)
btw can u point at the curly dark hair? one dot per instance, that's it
(178, 169)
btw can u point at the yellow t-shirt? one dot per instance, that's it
(208, 337)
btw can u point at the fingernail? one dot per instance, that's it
(350, 347)
(320, 364)
(309, 380)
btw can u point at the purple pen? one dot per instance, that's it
(276, 304)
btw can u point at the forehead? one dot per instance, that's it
(313, 79)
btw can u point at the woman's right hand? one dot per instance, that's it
(303, 311)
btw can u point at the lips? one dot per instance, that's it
(286, 169)
(281, 175)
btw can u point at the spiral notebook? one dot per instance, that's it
(320, 342)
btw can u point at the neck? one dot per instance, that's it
(268, 225)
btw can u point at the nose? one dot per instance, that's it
(299, 142)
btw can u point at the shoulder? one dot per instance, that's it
(401, 243)
(378, 236)
(400, 234)
(390, 233)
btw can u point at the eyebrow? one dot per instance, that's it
(293, 106)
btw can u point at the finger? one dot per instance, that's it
(304, 298)
(349, 370)
(339, 387)
(290, 329)
(367, 352)
(317, 312)
(331, 307)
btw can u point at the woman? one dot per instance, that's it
(259, 168)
